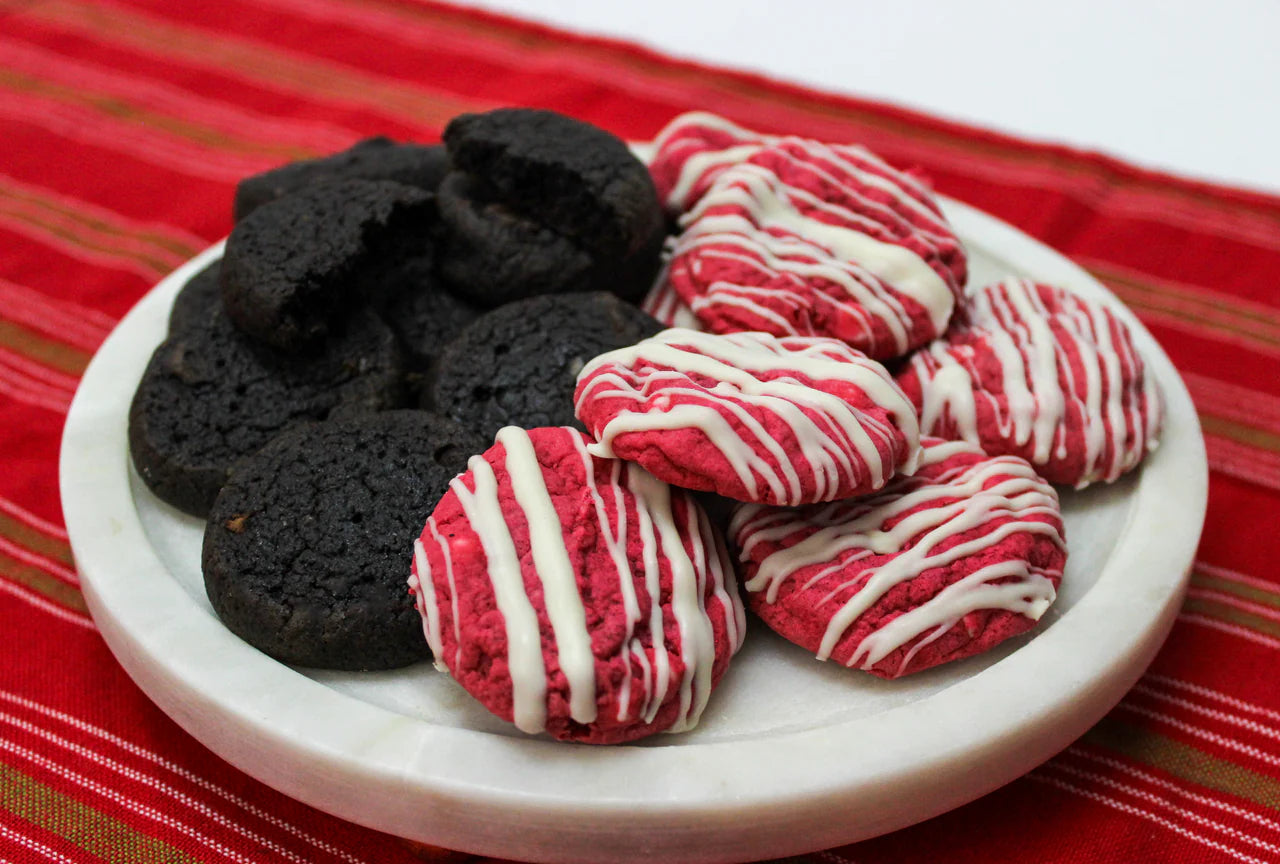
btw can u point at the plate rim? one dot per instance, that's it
(421, 781)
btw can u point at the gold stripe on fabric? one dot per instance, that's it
(1260, 438)
(1252, 593)
(42, 349)
(35, 197)
(1248, 322)
(1224, 612)
(1184, 761)
(88, 828)
(259, 62)
(156, 264)
(24, 535)
(120, 109)
(42, 583)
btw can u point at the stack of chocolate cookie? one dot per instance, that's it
(354, 289)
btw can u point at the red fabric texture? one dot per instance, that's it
(123, 127)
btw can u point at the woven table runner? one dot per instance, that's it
(124, 125)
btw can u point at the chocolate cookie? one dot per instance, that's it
(414, 302)
(378, 158)
(296, 265)
(564, 205)
(197, 299)
(308, 547)
(518, 365)
(210, 396)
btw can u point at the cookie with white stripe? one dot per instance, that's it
(809, 239)
(1040, 372)
(941, 565)
(576, 595)
(750, 416)
(306, 548)
(692, 150)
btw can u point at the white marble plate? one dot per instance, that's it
(792, 754)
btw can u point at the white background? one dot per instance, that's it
(1192, 88)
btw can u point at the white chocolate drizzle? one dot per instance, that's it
(1109, 408)
(524, 639)
(689, 555)
(757, 376)
(555, 571)
(837, 265)
(686, 142)
(665, 304)
(829, 548)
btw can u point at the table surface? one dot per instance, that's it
(1183, 87)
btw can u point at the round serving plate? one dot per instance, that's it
(792, 755)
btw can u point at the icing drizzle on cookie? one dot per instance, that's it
(625, 498)
(839, 549)
(1070, 377)
(857, 261)
(754, 376)
(692, 149)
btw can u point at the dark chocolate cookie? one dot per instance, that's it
(518, 364)
(210, 396)
(563, 204)
(495, 256)
(294, 266)
(378, 158)
(424, 316)
(308, 547)
(197, 299)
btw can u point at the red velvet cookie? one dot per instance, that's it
(750, 416)
(576, 595)
(664, 304)
(1042, 373)
(809, 239)
(691, 150)
(941, 565)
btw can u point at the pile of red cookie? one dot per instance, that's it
(891, 522)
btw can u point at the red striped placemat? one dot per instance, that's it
(123, 127)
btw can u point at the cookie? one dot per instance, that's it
(197, 299)
(810, 239)
(567, 199)
(493, 256)
(297, 264)
(307, 548)
(517, 365)
(665, 305)
(750, 416)
(943, 564)
(412, 299)
(420, 165)
(1042, 373)
(576, 595)
(692, 150)
(210, 396)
